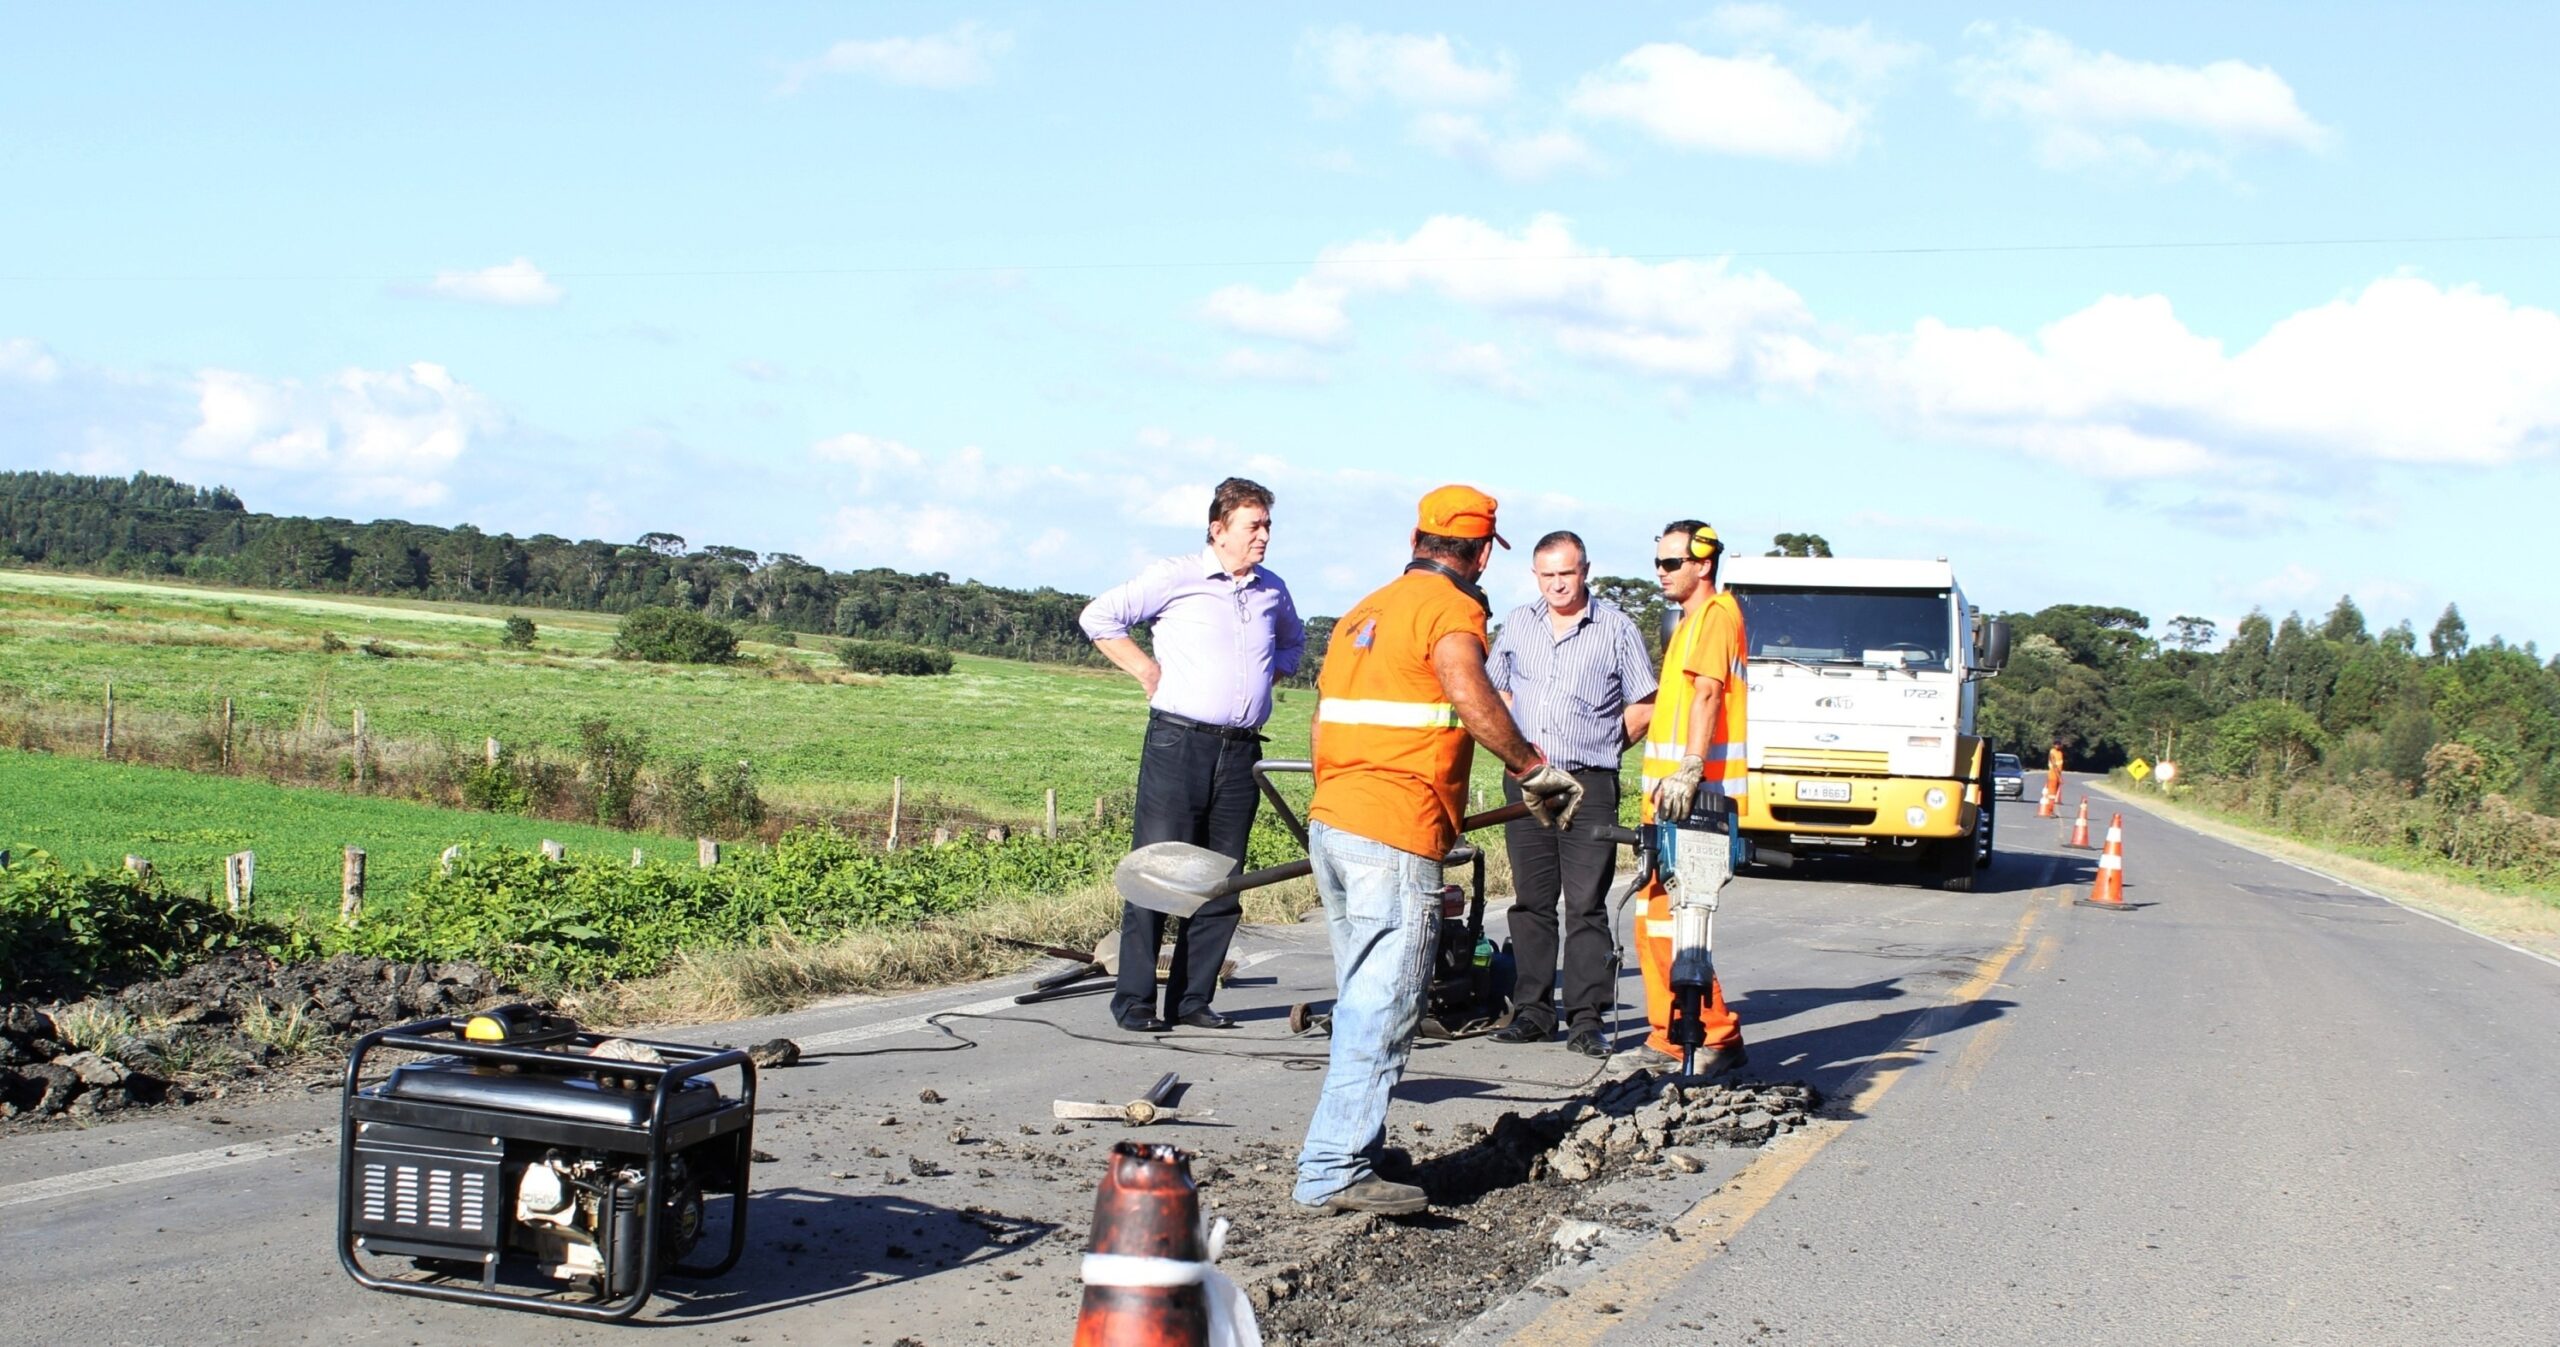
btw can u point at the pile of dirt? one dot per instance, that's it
(224, 1023)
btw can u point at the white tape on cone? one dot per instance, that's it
(1137, 1271)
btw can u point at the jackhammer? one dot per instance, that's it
(1693, 860)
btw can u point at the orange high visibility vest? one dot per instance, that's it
(1391, 756)
(1707, 643)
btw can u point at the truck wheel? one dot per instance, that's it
(1955, 865)
(1984, 828)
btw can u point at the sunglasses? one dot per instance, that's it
(1669, 564)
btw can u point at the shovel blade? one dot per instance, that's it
(1174, 878)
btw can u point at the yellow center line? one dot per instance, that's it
(1709, 1226)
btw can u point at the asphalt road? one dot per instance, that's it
(2257, 1107)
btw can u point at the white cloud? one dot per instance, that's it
(27, 361)
(2100, 109)
(1747, 105)
(375, 437)
(2403, 372)
(2293, 584)
(1857, 52)
(1524, 158)
(871, 455)
(1483, 365)
(1250, 365)
(1690, 319)
(1407, 68)
(1309, 312)
(515, 284)
(962, 56)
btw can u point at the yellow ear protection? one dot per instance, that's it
(1704, 544)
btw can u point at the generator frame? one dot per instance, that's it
(649, 1143)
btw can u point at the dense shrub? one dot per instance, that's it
(590, 919)
(63, 932)
(674, 636)
(891, 657)
(519, 633)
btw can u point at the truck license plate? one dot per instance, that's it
(1829, 792)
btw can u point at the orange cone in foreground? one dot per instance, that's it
(1143, 1276)
(2108, 891)
(2080, 826)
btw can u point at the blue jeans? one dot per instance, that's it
(1382, 909)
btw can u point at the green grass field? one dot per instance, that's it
(186, 822)
(990, 737)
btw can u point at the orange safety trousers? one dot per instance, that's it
(1653, 960)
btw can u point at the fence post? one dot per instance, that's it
(942, 836)
(239, 879)
(444, 863)
(638, 858)
(1097, 809)
(140, 867)
(226, 734)
(489, 751)
(351, 889)
(553, 851)
(107, 736)
(706, 853)
(897, 792)
(1049, 829)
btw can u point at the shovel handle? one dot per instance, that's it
(1300, 869)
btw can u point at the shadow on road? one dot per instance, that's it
(1764, 1005)
(805, 1247)
(1829, 1056)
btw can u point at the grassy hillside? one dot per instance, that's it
(186, 822)
(991, 736)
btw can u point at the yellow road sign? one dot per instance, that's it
(2138, 769)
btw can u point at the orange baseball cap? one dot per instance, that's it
(1459, 512)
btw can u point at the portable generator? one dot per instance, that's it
(522, 1162)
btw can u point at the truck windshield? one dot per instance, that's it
(1842, 626)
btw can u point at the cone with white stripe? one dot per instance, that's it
(2044, 807)
(1144, 1273)
(2080, 827)
(2108, 890)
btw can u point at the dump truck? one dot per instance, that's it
(1865, 676)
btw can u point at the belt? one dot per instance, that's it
(1203, 727)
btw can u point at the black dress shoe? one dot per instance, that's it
(1521, 1031)
(1588, 1042)
(1143, 1024)
(1205, 1019)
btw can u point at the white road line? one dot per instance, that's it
(166, 1167)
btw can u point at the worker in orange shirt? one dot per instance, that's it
(2053, 774)
(1695, 764)
(1405, 699)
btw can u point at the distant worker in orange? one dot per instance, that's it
(2053, 773)
(1405, 700)
(1695, 764)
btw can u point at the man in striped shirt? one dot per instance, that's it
(1577, 678)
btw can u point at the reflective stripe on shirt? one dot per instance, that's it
(1397, 715)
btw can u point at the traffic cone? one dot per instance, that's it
(2108, 889)
(1144, 1271)
(2080, 826)
(2044, 807)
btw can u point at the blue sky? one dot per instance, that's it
(1001, 291)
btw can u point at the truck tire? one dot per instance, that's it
(1956, 864)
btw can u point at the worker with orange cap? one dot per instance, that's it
(1695, 767)
(1405, 699)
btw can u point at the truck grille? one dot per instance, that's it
(1824, 761)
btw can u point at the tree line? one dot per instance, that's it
(153, 526)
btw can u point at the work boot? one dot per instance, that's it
(1714, 1062)
(1377, 1195)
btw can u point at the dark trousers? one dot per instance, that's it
(1196, 787)
(1572, 870)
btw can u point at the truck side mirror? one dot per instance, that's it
(1995, 645)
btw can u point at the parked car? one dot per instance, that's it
(2008, 778)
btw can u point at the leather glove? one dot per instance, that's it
(1551, 794)
(1678, 791)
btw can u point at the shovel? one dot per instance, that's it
(1182, 880)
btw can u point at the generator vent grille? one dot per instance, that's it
(425, 1197)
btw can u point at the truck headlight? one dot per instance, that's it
(1937, 799)
(1915, 816)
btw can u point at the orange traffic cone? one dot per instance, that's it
(2108, 890)
(2044, 807)
(1143, 1276)
(2080, 826)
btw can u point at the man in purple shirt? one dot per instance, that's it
(1223, 629)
